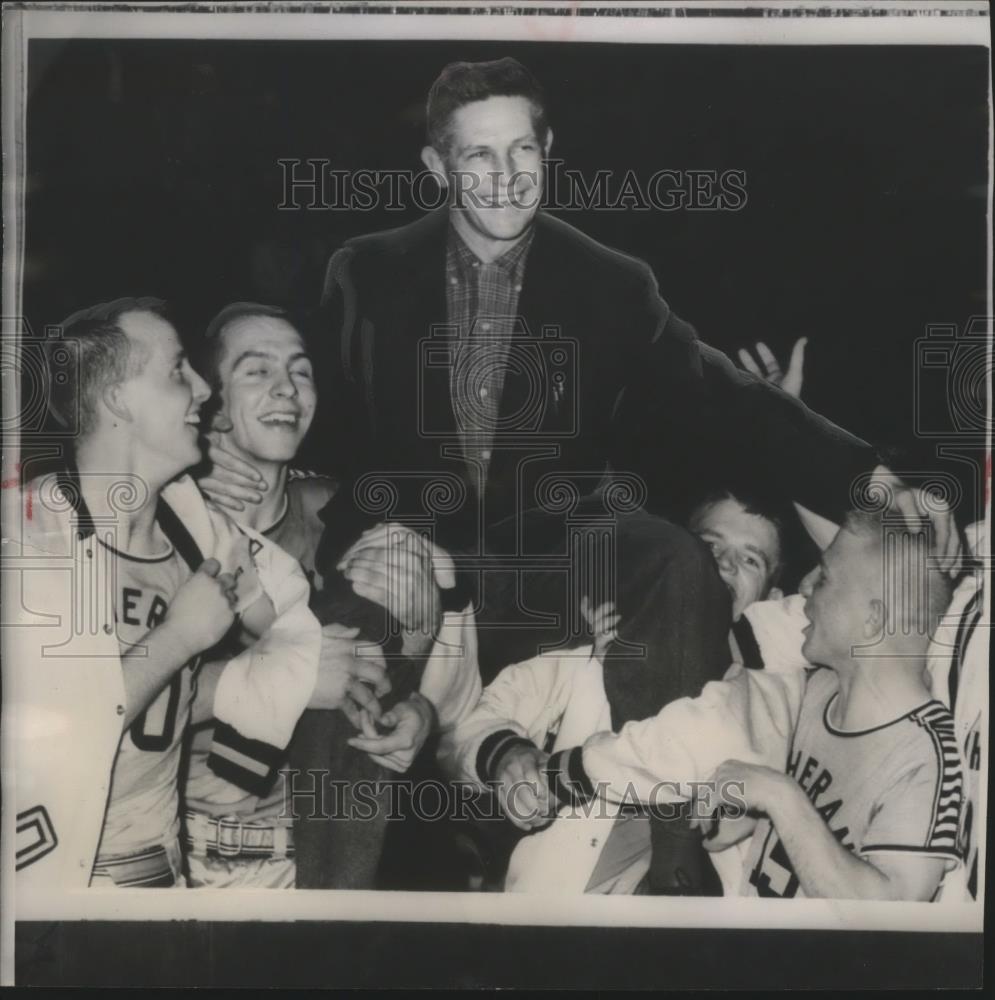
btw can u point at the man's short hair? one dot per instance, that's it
(760, 505)
(462, 83)
(104, 356)
(915, 597)
(209, 356)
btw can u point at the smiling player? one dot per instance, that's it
(111, 556)
(238, 834)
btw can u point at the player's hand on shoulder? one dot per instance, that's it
(203, 608)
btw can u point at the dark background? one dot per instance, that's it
(153, 169)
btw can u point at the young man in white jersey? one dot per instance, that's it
(260, 366)
(959, 659)
(850, 772)
(745, 534)
(126, 577)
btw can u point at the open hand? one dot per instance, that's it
(791, 380)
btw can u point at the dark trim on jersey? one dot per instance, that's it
(250, 764)
(568, 780)
(177, 533)
(742, 631)
(172, 526)
(68, 481)
(971, 613)
(138, 559)
(493, 747)
(933, 852)
(295, 473)
(283, 515)
(948, 800)
(910, 849)
(873, 729)
(148, 869)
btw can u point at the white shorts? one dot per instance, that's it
(210, 872)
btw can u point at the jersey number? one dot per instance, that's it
(774, 874)
(153, 729)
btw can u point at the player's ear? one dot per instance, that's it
(113, 397)
(876, 615)
(436, 165)
(220, 421)
(547, 143)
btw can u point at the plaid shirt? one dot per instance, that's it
(482, 305)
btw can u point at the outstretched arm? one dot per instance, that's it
(711, 412)
(825, 868)
(656, 760)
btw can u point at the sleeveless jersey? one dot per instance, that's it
(895, 788)
(297, 531)
(142, 808)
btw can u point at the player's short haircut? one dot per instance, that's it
(208, 357)
(754, 502)
(462, 83)
(103, 356)
(915, 597)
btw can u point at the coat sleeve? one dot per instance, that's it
(518, 706)
(342, 343)
(709, 414)
(63, 701)
(263, 691)
(750, 715)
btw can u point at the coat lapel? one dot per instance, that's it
(427, 340)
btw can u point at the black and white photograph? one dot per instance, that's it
(496, 496)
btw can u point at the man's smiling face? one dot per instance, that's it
(494, 163)
(267, 387)
(746, 547)
(163, 397)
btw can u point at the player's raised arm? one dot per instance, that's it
(199, 615)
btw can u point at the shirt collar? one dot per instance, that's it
(512, 262)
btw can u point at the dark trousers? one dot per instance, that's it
(672, 639)
(339, 834)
